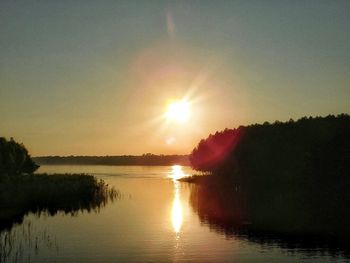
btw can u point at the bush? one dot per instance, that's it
(14, 158)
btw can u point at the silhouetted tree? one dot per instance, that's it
(14, 158)
(294, 175)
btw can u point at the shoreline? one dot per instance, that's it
(51, 193)
(218, 204)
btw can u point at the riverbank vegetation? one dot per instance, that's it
(291, 178)
(22, 192)
(14, 158)
(68, 193)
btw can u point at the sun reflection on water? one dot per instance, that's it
(177, 211)
(177, 172)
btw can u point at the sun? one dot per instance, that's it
(178, 111)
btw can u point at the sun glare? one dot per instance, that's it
(178, 111)
(177, 172)
(176, 211)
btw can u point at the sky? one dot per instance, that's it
(96, 77)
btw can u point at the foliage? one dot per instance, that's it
(68, 193)
(292, 177)
(27, 192)
(14, 158)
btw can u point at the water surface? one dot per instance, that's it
(152, 221)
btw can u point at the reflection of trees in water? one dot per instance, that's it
(295, 174)
(222, 213)
(22, 243)
(51, 194)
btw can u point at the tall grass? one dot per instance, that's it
(24, 242)
(68, 193)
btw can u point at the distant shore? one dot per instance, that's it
(145, 159)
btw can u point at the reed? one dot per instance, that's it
(51, 193)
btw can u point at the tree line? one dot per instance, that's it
(145, 159)
(289, 176)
